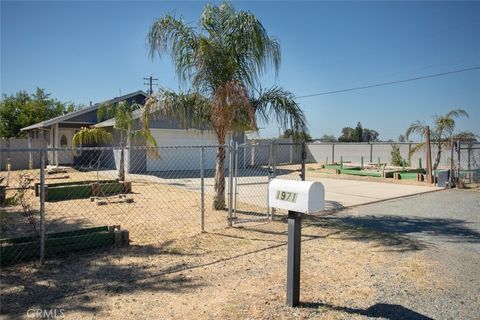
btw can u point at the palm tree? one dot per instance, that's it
(442, 133)
(222, 61)
(122, 112)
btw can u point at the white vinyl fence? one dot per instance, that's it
(371, 153)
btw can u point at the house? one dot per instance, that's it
(58, 133)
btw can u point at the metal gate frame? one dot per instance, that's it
(270, 173)
(469, 171)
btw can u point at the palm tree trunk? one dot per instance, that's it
(437, 158)
(121, 170)
(219, 187)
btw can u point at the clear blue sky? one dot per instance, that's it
(88, 51)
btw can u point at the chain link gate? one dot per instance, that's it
(252, 166)
(468, 162)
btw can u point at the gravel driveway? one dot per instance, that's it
(445, 227)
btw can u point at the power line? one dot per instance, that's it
(389, 83)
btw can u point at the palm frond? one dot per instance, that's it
(171, 35)
(190, 110)
(279, 105)
(465, 136)
(457, 113)
(415, 149)
(91, 136)
(228, 101)
(416, 128)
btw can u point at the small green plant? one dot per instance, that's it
(11, 201)
(397, 159)
(21, 197)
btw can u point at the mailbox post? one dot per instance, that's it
(298, 197)
(293, 265)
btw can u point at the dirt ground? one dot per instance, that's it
(202, 278)
(160, 211)
(172, 271)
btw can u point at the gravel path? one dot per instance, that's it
(445, 227)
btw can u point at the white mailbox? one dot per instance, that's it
(300, 196)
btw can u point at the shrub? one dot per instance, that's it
(397, 159)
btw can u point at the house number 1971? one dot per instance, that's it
(286, 196)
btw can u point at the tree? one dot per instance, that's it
(296, 135)
(358, 134)
(401, 138)
(369, 135)
(122, 112)
(396, 156)
(23, 109)
(442, 133)
(328, 138)
(222, 61)
(347, 135)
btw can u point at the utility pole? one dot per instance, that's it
(150, 84)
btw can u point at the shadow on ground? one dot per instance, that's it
(399, 231)
(31, 285)
(390, 233)
(379, 310)
(210, 173)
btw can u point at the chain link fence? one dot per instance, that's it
(254, 166)
(163, 197)
(468, 162)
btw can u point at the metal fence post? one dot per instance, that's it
(450, 174)
(304, 159)
(252, 154)
(42, 205)
(274, 158)
(291, 149)
(272, 173)
(230, 182)
(8, 163)
(202, 190)
(333, 153)
(30, 154)
(244, 160)
(469, 162)
(409, 154)
(458, 163)
(371, 152)
(235, 187)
